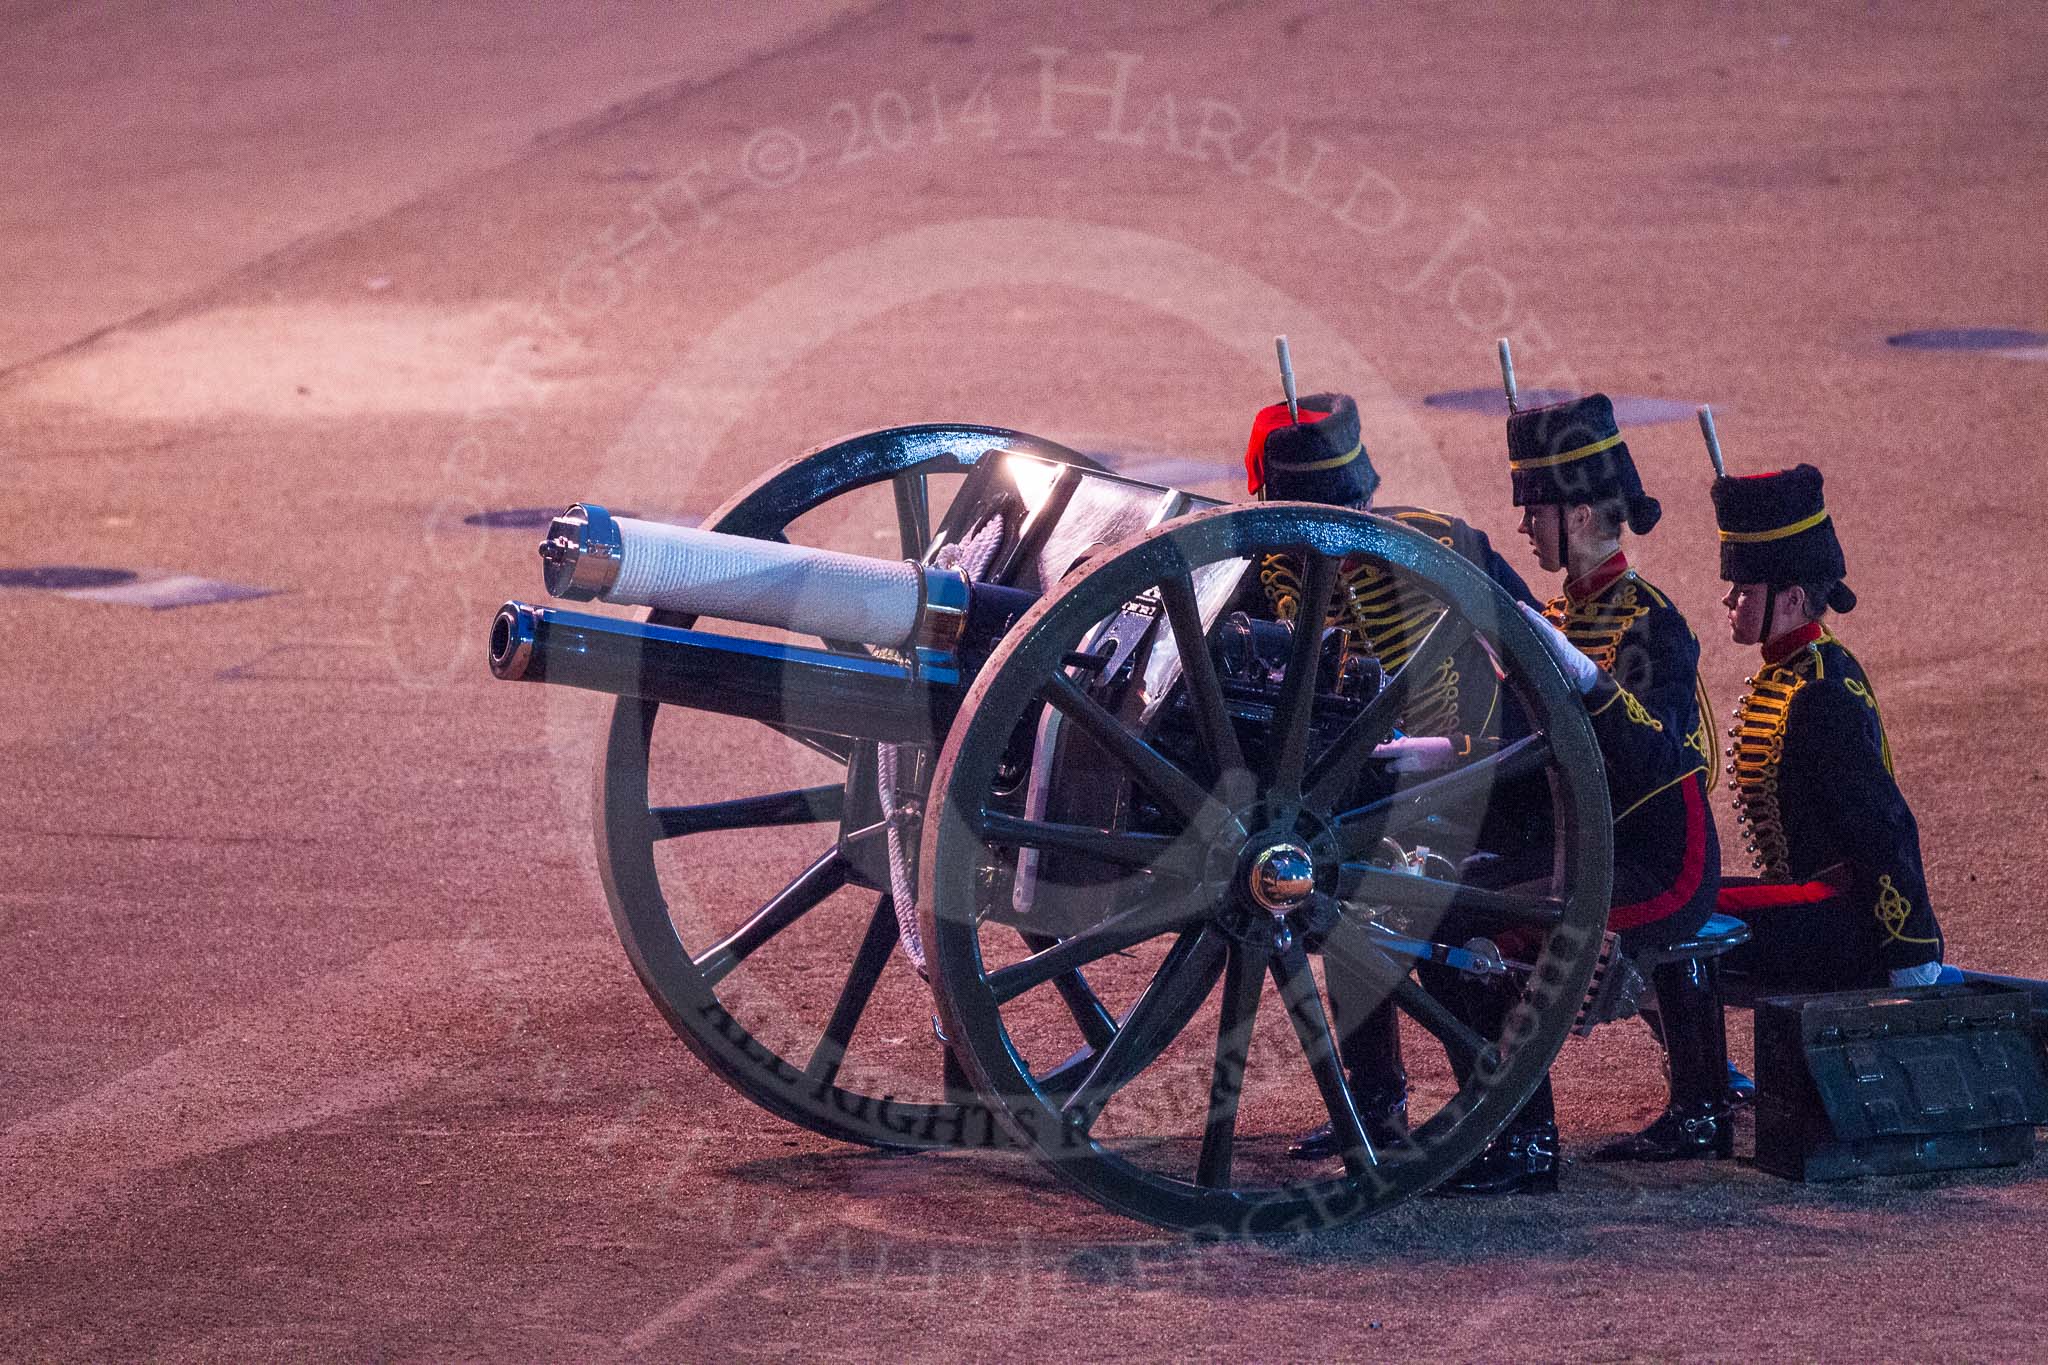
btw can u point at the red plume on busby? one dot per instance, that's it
(1320, 460)
(1775, 530)
(1573, 452)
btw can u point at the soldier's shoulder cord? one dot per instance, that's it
(1650, 590)
(1847, 673)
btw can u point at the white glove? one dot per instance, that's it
(1418, 753)
(1926, 974)
(1582, 671)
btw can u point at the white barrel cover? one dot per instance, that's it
(766, 583)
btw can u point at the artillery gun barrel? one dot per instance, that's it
(783, 685)
(933, 624)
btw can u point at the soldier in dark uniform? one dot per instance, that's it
(1840, 901)
(1666, 870)
(1579, 490)
(1322, 459)
(1576, 501)
(1636, 662)
(1456, 714)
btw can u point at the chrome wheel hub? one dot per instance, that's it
(1282, 878)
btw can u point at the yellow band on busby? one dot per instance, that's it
(1568, 456)
(1780, 533)
(1775, 529)
(1334, 462)
(1573, 452)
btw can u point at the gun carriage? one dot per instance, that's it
(1076, 822)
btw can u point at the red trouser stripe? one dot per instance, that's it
(1687, 885)
(1739, 900)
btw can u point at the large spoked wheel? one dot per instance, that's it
(737, 891)
(1253, 845)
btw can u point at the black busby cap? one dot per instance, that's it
(1320, 460)
(1573, 452)
(1775, 529)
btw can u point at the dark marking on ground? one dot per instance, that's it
(1967, 339)
(62, 577)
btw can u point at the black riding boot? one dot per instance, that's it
(1741, 1087)
(1696, 1123)
(1371, 1053)
(1523, 1159)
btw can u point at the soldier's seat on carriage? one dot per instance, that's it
(1620, 982)
(1715, 937)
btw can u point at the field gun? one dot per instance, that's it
(1062, 800)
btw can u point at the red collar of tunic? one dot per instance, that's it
(1597, 579)
(1791, 642)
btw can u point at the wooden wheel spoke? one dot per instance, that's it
(1379, 886)
(1338, 767)
(799, 806)
(1349, 944)
(1361, 830)
(1061, 1080)
(868, 962)
(1158, 774)
(913, 513)
(1198, 668)
(1125, 929)
(1098, 1029)
(1458, 1038)
(1170, 999)
(1296, 703)
(796, 1073)
(1154, 852)
(1244, 980)
(1312, 1028)
(792, 903)
(1094, 1021)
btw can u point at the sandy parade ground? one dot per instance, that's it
(319, 1040)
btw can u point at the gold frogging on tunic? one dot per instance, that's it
(1893, 910)
(1381, 622)
(1756, 748)
(1596, 627)
(1597, 624)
